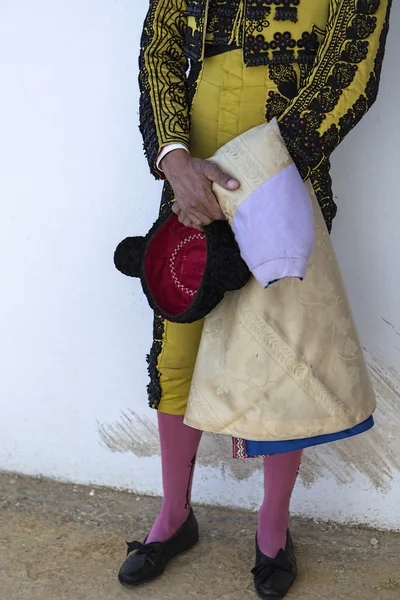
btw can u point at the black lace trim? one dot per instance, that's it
(257, 10)
(311, 150)
(287, 81)
(154, 391)
(147, 124)
(221, 20)
(301, 132)
(322, 184)
(196, 8)
(154, 388)
(193, 47)
(191, 84)
(283, 49)
(258, 50)
(194, 39)
(286, 14)
(167, 121)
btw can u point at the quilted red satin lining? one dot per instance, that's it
(174, 265)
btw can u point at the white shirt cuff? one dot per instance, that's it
(166, 150)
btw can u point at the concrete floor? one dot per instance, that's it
(65, 542)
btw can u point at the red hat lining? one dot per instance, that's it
(174, 265)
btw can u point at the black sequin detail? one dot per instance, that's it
(287, 12)
(282, 49)
(309, 148)
(167, 122)
(154, 387)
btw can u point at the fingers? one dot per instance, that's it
(214, 173)
(186, 221)
(182, 218)
(217, 213)
(194, 195)
(189, 220)
(197, 207)
(213, 207)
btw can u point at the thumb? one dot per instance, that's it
(221, 178)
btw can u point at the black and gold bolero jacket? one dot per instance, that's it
(338, 46)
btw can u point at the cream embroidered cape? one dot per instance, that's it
(284, 362)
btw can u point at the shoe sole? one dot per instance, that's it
(132, 585)
(275, 597)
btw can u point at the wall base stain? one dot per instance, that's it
(132, 433)
(375, 454)
(139, 435)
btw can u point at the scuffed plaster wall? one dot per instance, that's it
(371, 455)
(74, 333)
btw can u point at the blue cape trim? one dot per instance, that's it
(253, 449)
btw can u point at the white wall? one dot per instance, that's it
(74, 332)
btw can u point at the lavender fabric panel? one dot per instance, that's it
(274, 228)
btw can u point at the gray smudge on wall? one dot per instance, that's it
(375, 454)
(138, 434)
(132, 433)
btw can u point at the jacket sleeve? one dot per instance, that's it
(163, 108)
(342, 85)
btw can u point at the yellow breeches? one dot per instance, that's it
(229, 100)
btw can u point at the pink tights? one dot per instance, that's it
(179, 444)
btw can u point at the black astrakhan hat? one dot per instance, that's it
(184, 273)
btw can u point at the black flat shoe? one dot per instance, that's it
(148, 561)
(274, 577)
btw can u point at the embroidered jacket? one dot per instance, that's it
(339, 45)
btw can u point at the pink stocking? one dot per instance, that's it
(179, 444)
(280, 472)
